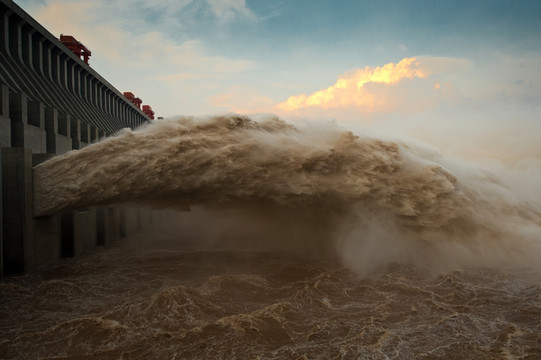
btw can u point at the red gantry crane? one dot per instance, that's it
(76, 47)
(137, 101)
(147, 109)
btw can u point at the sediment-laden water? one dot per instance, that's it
(301, 243)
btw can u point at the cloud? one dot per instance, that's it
(229, 10)
(169, 6)
(243, 100)
(381, 89)
(159, 67)
(133, 47)
(208, 67)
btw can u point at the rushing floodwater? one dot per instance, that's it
(301, 243)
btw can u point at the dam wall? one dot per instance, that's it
(52, 102)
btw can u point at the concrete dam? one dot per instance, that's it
(51, 102)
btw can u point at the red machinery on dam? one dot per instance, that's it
(147, 109)
(76, 47)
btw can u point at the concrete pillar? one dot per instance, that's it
(95, 92)
(84, 230)
(133, 219)
(112, 105)
(100, 226)
(107, 102)
(77, 79)
(18, 113)
(123, 113)
(5, 122)
(51, 129)
(1, 223)
(64, 124)
(107, 225)
(17, 228)
(75, 126)
(122, 230)
(101, 96)
(85, 133)
(130, 220)
(55, 63)
(93, 134)
(101, 134)
(82, 79)
(151, 218)
(36, 114)
(88, 89)
(104, 99)
(67, 243)
(140, 219)
(78, 231)
(46, 242)
(4, 32)
(112, 225)
(63, 71)
(46, 57)
(15, 24)
(33, 33)
(27, 123)
(69, 75)
(46, 232)
(34, 131)
(35, 47)
(62, 131)
(26, 43)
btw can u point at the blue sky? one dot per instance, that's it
(476, 73)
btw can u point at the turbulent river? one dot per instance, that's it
(293, 243)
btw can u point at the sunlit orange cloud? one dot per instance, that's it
(241, 100)
(353, 89)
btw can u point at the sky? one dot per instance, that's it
(462, 76)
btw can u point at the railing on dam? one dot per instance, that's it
(51, 102)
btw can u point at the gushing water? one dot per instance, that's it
(361, 194)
